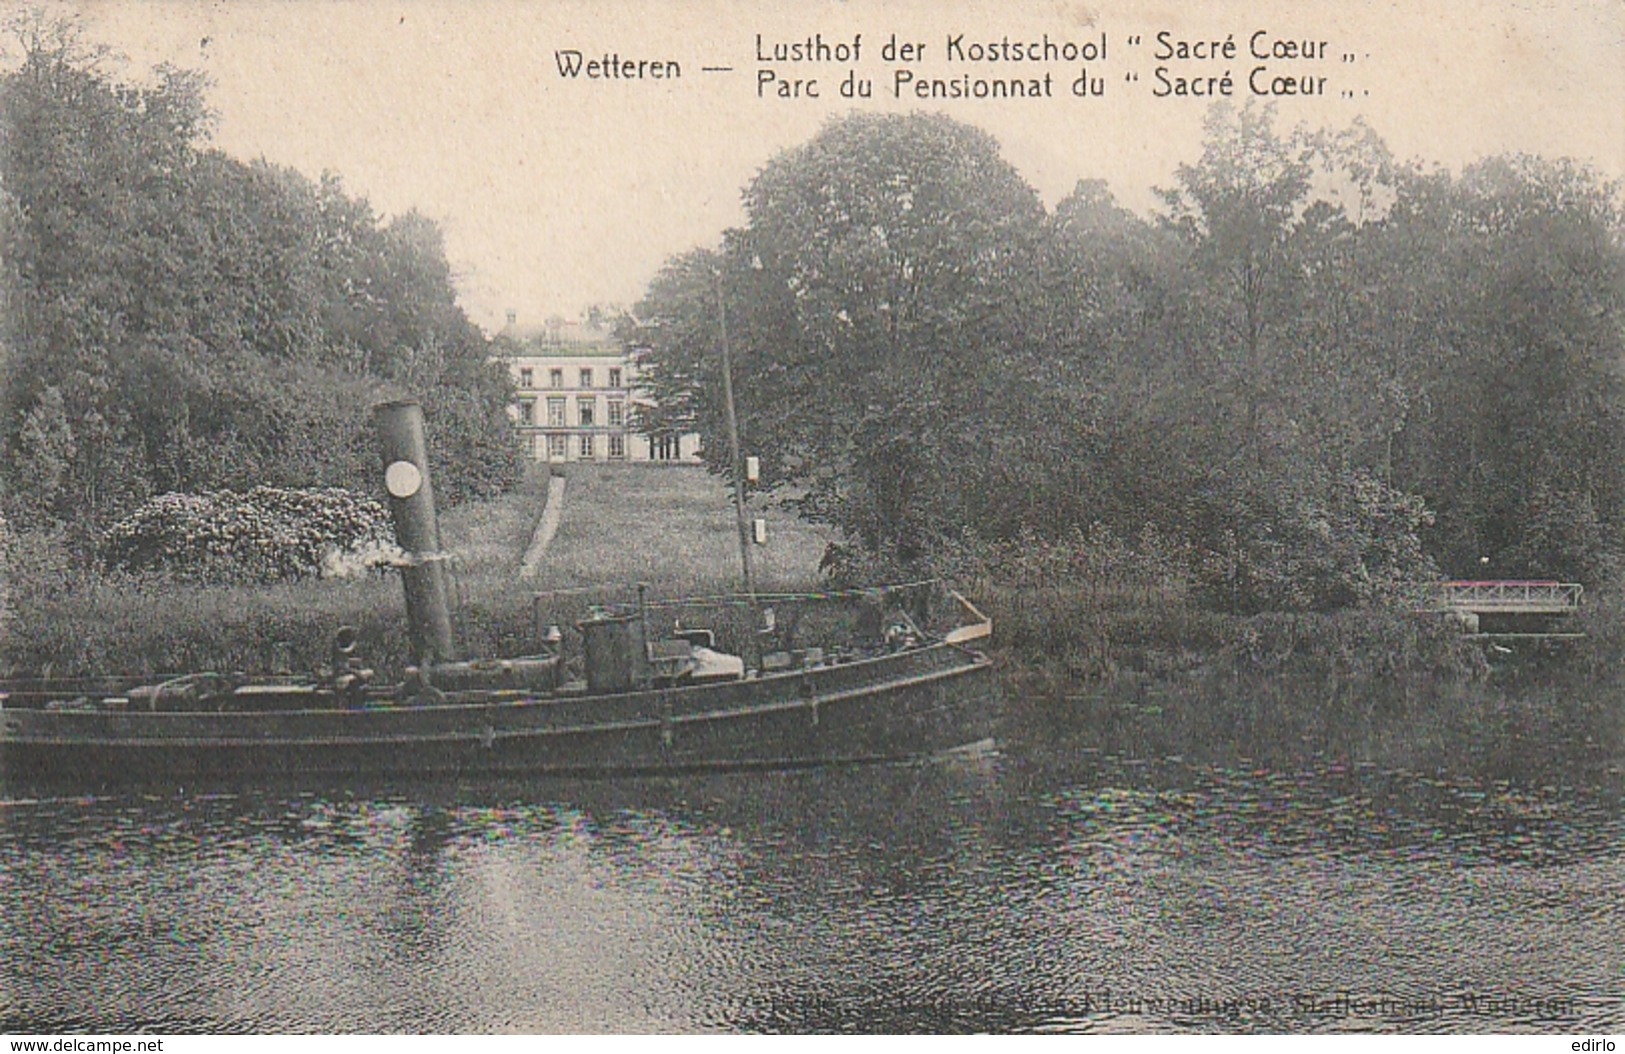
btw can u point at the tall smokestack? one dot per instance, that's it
(411, 504)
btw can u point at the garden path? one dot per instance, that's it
(546, 528)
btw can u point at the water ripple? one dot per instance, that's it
(1071, 894)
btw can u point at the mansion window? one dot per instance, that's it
(555, 412)
(527, 411)
(586, 377)
(527, 377)
(617, 413)
(617, 445)
(584, 410)
(555, 378)
(586, 446)
(614, 376)
(556, 447)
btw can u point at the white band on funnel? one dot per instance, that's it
(402, 479)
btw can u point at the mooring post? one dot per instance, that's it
(411, 504)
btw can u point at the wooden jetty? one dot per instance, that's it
(1510, 609)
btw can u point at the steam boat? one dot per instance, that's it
(641, 694)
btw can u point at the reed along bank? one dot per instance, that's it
(1150, 676)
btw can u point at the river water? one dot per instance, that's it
(1060, 890)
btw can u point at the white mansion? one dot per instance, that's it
(577, 394)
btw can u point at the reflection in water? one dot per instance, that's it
(1007, 895)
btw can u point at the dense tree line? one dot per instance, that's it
(178, 320)
(1317, 375)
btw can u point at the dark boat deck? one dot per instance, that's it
(914, 702)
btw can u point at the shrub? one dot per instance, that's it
(1351, 543)
(41, 564)
(474, 448)
(267, 534)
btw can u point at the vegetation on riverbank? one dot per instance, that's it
(670, 528)
(1386, 686)
(74, 620)
(1107, 645)
(1398, 690)
(1105, 655)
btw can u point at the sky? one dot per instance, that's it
(556, 192)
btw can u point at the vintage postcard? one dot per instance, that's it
(606, 516)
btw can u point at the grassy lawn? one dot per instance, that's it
(671, 527)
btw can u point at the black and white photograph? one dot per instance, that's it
(611, 517)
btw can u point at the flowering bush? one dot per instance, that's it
(264, 535)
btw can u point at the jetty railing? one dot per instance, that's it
(1534, 598)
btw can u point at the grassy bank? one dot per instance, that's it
(146, 624)
(671, 527)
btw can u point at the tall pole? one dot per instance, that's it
(733, 447)
(411, 504)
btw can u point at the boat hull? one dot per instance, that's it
(914, 703)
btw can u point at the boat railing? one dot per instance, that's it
(807, 614)
(25, 691)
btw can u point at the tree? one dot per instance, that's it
(45, 444)
(1109, 279)
(1112, 284)
(1283, 466)
(1507, 289)
(875, 299)
(1322, 373)
(1240, 210)
(160, 294)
